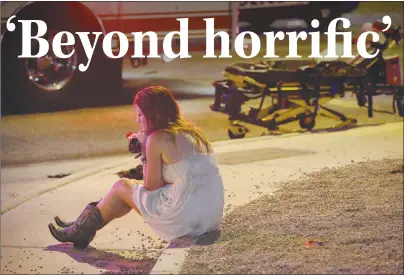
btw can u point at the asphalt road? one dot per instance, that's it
(86, 133)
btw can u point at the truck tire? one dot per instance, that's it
(49, 83)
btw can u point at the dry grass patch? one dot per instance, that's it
(346, 220)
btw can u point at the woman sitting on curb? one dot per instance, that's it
(182, 192)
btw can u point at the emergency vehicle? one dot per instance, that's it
(50, 83)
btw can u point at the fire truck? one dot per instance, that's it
(50, 83)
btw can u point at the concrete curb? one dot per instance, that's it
(170, 261)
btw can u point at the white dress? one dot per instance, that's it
(192, 204)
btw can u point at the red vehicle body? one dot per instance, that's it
(49, 83)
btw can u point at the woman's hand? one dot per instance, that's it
(141, 136)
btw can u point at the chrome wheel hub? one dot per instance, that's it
(51, 73)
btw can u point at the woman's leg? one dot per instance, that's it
(118, 202)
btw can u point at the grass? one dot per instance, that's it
(337, 221)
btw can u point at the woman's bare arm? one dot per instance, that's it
(152, 171)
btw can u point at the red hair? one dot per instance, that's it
(161, 111)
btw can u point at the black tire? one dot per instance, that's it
(101, 84)
(399, 101)
(272, 125)
(307, 121)
(235, 136)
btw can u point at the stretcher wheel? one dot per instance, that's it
(307, 121)
(235, 135)
(361, 98)
(272, 126)
(399, 101)
(400, 107)
(237, 130)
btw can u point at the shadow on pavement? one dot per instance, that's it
(112, 262)
(187, 241)
(323, 130)
(331, 130)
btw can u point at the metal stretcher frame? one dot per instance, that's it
(300, 94)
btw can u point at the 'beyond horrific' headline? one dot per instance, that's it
(65, 38)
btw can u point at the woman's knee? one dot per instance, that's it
(123, 184)
(123, 189)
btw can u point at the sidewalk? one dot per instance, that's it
(250, 168)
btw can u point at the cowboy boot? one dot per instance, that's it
(64, 224)
(82, 231)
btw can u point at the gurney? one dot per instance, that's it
(298, 89)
